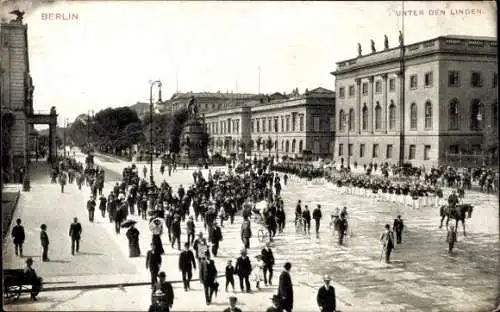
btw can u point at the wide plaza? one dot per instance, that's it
(422, 277)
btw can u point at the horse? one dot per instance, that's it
(459, 213)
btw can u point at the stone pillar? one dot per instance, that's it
(359, 108)
(384, 103)
(371, 106)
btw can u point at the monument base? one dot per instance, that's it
(193, 149)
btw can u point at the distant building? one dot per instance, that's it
(274, 125)
(450, 100)
(16, 99)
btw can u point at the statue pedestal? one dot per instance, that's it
(192, 150)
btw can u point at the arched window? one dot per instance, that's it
(364, 117)
(341, 120)
(378, 117)
(282, 146)
(293, 146)
(300, 146)
(276, 145)
(351, 119)
(287, 146)
(413, 116)
(453, 115)
(428, 115)
(476, 115)
(392, 116)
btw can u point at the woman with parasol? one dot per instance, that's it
(156, 228)
(133, 239)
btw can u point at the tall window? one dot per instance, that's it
(293, 146)
(316, 123)
(349, 150)
(454, 78)
(388, 151)
(341, 92)
(392, 116)
(378, 117)
(275, 124)
(301, 123)
(258, 125)
(282, 124)
(287, 124)
(270, 125)
(475, 80)
(427, 152)
(341, 149)
(413, 116)
(351, 119)
(453, 115)
(476, 115)
(263, 125)
(316, 147)
(428, 115)
(287, 146)
(351, 91)
(364, 88)
(361, 150)
(413, 150)
(341, 120)
(300, 146)
(413, 82)
(375, 151)
(428, 79)
(392, 84)
(378, 86)
(365, 117)
(332, 124)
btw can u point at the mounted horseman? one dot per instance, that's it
(454, 211)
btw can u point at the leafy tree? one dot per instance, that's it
(174, 129)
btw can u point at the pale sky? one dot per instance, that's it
(106, 57)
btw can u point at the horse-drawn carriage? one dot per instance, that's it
(16, 282)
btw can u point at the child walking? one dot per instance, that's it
(258, 271)
(451, 239)
(229, 274)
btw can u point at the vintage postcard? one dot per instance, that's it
(249, 156)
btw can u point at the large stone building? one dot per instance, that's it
(450, 99)
(16, 99)
(274, 125)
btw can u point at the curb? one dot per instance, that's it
(10, 215)
(110, 285)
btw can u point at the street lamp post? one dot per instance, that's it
(152, 83)
(89, 123)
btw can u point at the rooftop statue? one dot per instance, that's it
(359, 49)
(373, 46)
(386, 42)
(19, 15)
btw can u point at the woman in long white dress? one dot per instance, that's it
(258, 271)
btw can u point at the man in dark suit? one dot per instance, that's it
(44, 241)
(75, 232)
(18, 236)
(398, 228)
(387, 240)
(326, 296)
(268, 259)
(153, 263)
(166, 288)
(186, 265)
(208, 273)
(91, 208)
(317, 217)
(215, 236)
(285, 289)
(243, 269)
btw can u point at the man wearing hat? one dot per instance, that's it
(243, 269)
(326, 296)
(268, 259)
(285, 288)
(276, 305)
(215, 236)
(44, 240)
(153, 263)
(186, 265)
(208, 275)
(190, 230)
(36, 282)
(91, 208)
(200, 246)
(387, 240)
(232, 305)
(75, 232)
(158, 302)
(18, 236)
(398, 228)
(166, 288)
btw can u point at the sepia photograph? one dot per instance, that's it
(241, 156)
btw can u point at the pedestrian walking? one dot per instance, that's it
(246, 232)
(306, 215)
(91, 208)
(229, 274)
(208, 273)
(232, 305)
(326, 298)
(317, 217)
(120, 216)
(243, 269)
(268, 259)
(190, 230)
(451, 238)
(62, 181)
(176, 232)
(200, 246)
(153, 263)
(156, 228)
(387, 240)
(75, 232)
(44, 240)
(186, 266)
(215, 236)
(398, 228)
(18, 237)
(258, 271)
(102, 205)
(285, 288)
(133, 241)
(166, 288)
